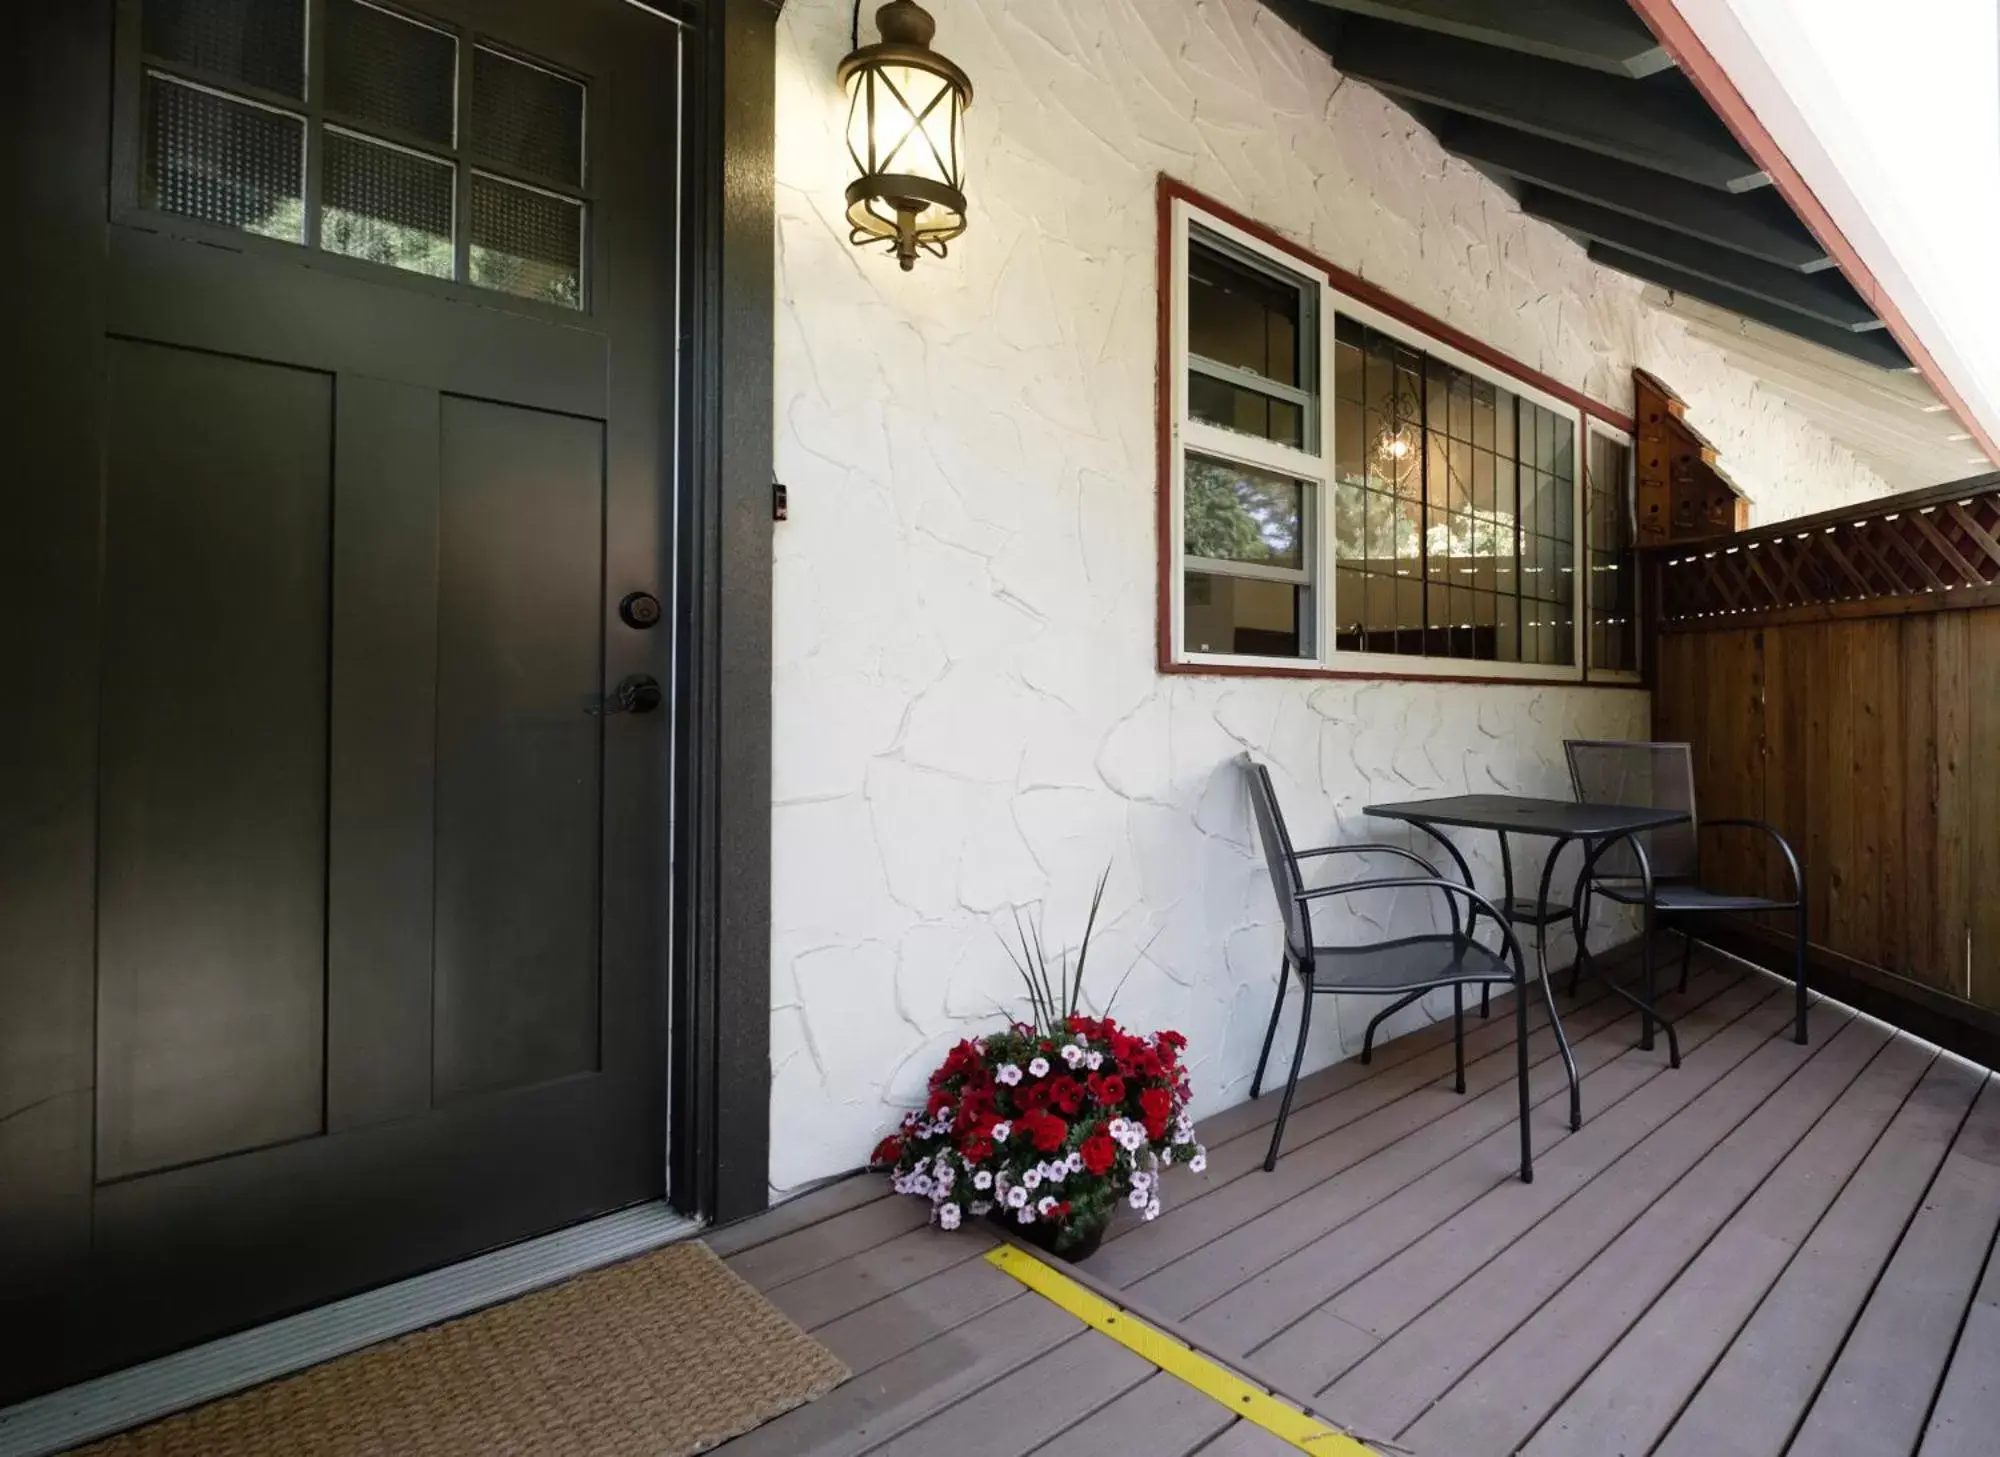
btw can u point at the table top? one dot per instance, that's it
(1560, 818)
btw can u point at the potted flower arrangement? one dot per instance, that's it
(1050, 1123)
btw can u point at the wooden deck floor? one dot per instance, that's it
(1773, 1249)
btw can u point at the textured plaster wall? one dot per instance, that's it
(968, 720)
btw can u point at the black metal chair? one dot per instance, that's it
(1661, 873)
(1404, 967)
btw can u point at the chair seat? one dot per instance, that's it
(1401, 966)
(1523, 911)
(1682, 895)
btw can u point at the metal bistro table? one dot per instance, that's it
(1598, 826)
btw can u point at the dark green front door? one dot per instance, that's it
(332, 941)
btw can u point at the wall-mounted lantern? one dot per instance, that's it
(905, 133)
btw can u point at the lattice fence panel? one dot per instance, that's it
(1947, 546)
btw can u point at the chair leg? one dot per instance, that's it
(1284, 975)
(1521, 1078)
(1687, 958)
(1485, 1000)
(1291, 1083)
(1646, 961)
(1458, 1033)
(1799, 973)
(1368, 1037)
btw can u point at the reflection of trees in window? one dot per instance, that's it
(1239, 515)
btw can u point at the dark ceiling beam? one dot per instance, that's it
(1660, 122)
(1874, 347)
(1604, 35)
(1824, 296)
(1756, 223)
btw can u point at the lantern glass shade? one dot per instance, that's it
(905, 137)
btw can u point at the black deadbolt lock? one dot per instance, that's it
(639, 609)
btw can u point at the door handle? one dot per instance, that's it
(635, 693)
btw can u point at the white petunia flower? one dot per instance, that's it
(1075, 1161)
(1046, 1205)
(1116, 1127)
(1141, 1180)
(1007, 1073)
(1031, 1179)
(982, 1179)
(980, 1208)
(1137, 1199)
(1153, 1210)
(947, 1216)
(1000, 1131)
(1026, 1216)
(1038, 1067)
(1059, 1170)
(1071, 1053)
(1017, 1197)
(1199, 1162)
(1093, 1059)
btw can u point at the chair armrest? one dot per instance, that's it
(1369, 848)
(1784, 848)
(1451, 888)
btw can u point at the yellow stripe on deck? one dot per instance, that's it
(1179, 1360)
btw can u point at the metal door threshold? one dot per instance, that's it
(107, 1404)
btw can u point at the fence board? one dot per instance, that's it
(1862, 718)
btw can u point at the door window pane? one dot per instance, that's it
(255, 42)
(526, 242)
(527, 117)
(223, 161)
(387, 205)
(1236, 513)
(390, 71)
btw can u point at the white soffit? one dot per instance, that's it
(1892, 420)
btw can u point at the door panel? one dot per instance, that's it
(519, 778)
(212, 815)
(332, 947)
(384, 751)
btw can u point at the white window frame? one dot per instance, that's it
(1636, 675)
(1187, 434)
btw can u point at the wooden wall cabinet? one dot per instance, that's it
(1683, 495)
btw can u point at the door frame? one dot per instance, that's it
(719, 1093)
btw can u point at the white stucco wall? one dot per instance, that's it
(968, 719)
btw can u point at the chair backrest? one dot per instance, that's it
(1279, 860)
(1657, 776)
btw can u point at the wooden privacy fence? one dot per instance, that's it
(1839, 676)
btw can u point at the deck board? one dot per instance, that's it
(1769, 1242)
(1880, 1391)
(1633, 1394)
(1968, 1407)
(1500, 1400)
(1756, 1395)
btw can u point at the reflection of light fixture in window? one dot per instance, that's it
(905, 134)
(1399, 445)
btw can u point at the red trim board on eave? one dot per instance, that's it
(1698, 64)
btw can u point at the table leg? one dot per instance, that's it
(1548, 991)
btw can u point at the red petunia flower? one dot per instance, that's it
(887, 1152)
(1066, 1094)
(1098, 1152)
(1108, 1089)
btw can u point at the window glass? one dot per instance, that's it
(226, 140)
(1242, 316)
(1237, 513)
(1610, 558)
(1453, 540)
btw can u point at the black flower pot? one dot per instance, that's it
(1043, 1235)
